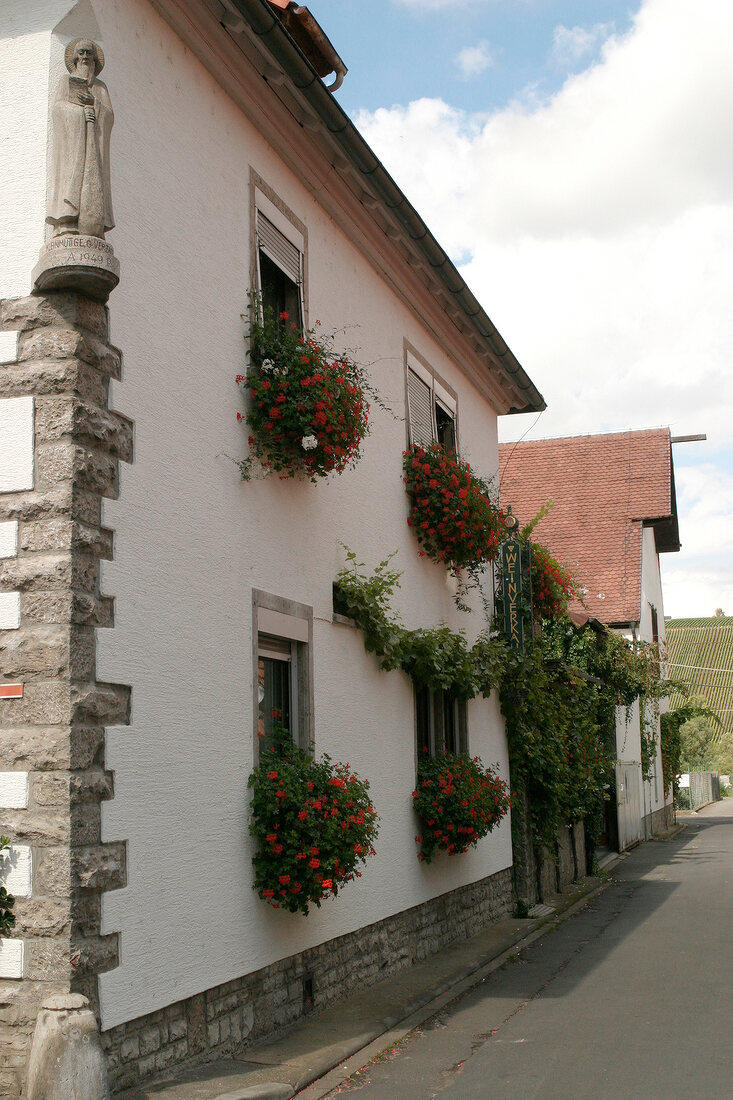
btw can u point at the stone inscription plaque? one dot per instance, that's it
(77, 262)
(66, 251)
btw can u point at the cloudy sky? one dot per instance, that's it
(575, 159)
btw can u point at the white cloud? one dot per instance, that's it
(600, 226)
(635, 138)
(699, 579)
(441, 148)
(705, 494)
(473, 60)
(624, 332)
(690, 593)
(570, 44)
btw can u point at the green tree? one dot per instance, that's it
(704, 746)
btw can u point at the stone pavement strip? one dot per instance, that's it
(312, 1052)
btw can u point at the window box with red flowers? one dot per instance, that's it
(452, 513)
(459, 801)
(308, 411)
(314, 823)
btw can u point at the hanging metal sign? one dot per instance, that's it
(513, 587)
(511, 583)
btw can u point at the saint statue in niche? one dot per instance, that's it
(82, 117)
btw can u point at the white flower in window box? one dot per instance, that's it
(309, 442)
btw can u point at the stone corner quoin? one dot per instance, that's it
(60, 448)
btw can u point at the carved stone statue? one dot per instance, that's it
(82, 117)
(76, 256)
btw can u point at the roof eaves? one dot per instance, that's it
(672, 533)
(666, 527)
(260, 17)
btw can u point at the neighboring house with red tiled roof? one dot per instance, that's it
(614, 513)
(614, 505)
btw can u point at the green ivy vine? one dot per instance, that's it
(561, 742)
(436, 657)
(559, 702)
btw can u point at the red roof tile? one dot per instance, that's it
(605, 488)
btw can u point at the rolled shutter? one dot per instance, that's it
(420, 410)
(279, 249)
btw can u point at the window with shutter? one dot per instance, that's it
(420, 408)
(278, 248)
(431, 408)
(280, 260)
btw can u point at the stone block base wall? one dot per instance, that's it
(525, 866)
(535, 879)
(218, 1022)
(558, 869)
(658, 821)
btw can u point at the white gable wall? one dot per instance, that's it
(651, 587)
(191, 540)
(651, 596)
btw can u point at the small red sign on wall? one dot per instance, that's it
(11, 691)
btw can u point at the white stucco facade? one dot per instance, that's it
(192, 540)
(31, 60)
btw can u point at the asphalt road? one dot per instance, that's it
(631, 997)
